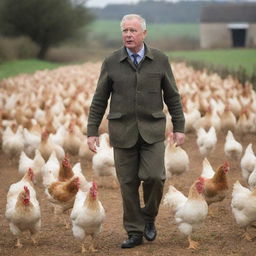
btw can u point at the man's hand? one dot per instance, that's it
(179, 138)
(92, 142)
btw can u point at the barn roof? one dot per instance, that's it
(229, 12)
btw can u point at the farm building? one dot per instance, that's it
(227, 25)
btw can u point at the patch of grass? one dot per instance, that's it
(13, 68)
(228, 58)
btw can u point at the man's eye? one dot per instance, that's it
(133, 30)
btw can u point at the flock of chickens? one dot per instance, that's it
(43, 120)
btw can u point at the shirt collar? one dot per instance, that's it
(141, 52)
(147, 52)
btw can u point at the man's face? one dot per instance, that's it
(133, 35)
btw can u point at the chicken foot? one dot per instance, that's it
(192, 244)
(91, 247)
(33, 238)
(246, 235)
(18, 244)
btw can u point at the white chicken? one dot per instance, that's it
(31, 141)
(36, 164)
(72, 140)
(59, 136)
(103, 161)
(252, 179)
(206, 141)
(50, 171)
(87, 216)
(176, 159)
(84, 151)
(22, 208)
(228, 120)
(207, 170)
(232, 148)
(189, 211)
(243, 206)
(13, 143)
(46, 147)
(248, 162)
(191, 117)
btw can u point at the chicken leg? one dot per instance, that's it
(92, 247)
(18, 244)
(246, 235)
(192, 244)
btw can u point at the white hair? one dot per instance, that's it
(133, 16)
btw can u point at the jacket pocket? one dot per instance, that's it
(157, 75)
(114, 116)
(159, 114)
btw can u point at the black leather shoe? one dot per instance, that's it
(132, 241)
(150, 231)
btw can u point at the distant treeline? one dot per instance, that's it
(155, 12)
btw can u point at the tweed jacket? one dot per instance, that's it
(137, 97)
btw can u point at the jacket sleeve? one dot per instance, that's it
(172, 99)
(99, 101)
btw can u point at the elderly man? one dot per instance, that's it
(138, 80)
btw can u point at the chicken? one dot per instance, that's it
(228, 120)
(46, 147)
(23, 209)
(13, 143)
(59, 136)
(207, 170)
(103, 161)
(176, 159)
(243, 206)
(87, 216)
(50, 170)
(206, 141)
(211, 119)
(84, 151)
(189, 211)
(31, 142)
(63, 192)
(65, 172)
(248, 162)
(216, 187)
(62, 195)
(36, 164)
(252, 179)
(72, 141)
(232, 148)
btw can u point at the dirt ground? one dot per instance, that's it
(219, 234)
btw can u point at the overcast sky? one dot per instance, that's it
(103, 3)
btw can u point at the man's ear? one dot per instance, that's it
(145, 32)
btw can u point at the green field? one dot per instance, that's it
(13, 68)
(230, 58)
(111, 30)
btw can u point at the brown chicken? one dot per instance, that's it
(63, 192)
(62, 195)
(65, 172)
(216, 188)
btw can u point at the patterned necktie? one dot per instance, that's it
(135, 56)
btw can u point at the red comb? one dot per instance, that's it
(226, 164)
(26, 189)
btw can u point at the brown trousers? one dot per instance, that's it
(141, 163)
